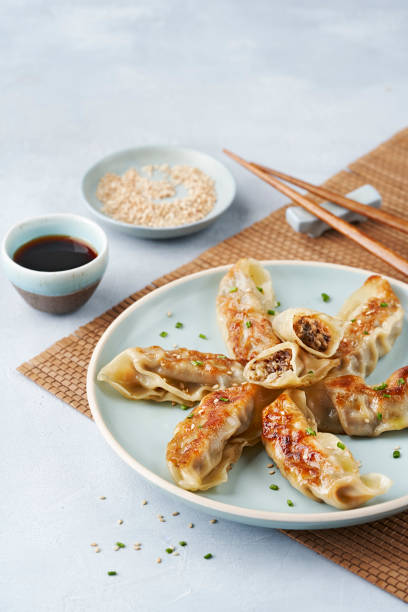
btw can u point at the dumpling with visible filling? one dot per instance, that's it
(180, 375)
(319, 465)
(287, 365)
(316, 332)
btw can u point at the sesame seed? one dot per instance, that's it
(162, 520)
(176, 554)
(97, 549)
(158, 560)
(102, 497)
(120, 522)
(175, 513)
(116, 548)
(159, 516)
(137, 544)
(213, 521)
(191, 525)
(169, 314)
(144, 502)
(94, 544)
(270, 465)
(175, 345)
(272, 472)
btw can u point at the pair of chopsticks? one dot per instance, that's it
(350, 231)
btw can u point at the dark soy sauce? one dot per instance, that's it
(54, 253)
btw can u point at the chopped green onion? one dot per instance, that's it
(383, 304)
(380, 387)
(233, 290)
(203, 336)
(310, 431)
(223, 399)
(195, 362)
(208, 556)
(260, 289)
(221, 357)
(190, 416)
(163, 334)
(325, 297)
(353, 320)
(184, 407)
(396, 454)
(183, 543)
(386, 395)
(274, 487)
(290, 502)
(199, 426)
(379, 416)
(310, 372)
(179, 325)
(169, 550)
(248, 324)
(401, 381)
(271, 312)
(365, 333)
(341, 445)
(112, 573)
(120, 544)
(278, 304)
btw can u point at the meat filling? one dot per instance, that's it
(312, 333)
(277, 363)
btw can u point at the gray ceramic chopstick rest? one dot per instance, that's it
(306, 223)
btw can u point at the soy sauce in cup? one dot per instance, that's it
(54, 253)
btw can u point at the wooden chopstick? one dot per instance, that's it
(372, 213)
(348, 230)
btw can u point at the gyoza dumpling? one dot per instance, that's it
(316, 332)
(244, 298)
(369, 411)
(375, 316)
(206, 444)
(317, 464)
(287, 365)
(180, 375)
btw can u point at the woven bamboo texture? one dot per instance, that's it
(378, 551)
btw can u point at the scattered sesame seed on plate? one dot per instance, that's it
(213, 521)
(191, 525)
(169, 314)
(120, 522)
(144, 502)
(116, 548)
(158, 560)
(102, 497)
(272, 472)
(270, 465)
(175, 513)
(97, 549)
(94, 544)
(176, 554)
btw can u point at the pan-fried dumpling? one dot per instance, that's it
(179, 375)
(375, 318)
(317, 464)
(316, 332)
(206, 444)
(245, 304)
(287, 365)
(369, 411)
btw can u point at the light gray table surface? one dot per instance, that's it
(306, 87)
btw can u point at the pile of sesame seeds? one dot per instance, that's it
(141, 199)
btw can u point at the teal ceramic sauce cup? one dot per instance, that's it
(66, 290)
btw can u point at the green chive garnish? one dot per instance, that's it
(197, 363)
(112, 573)
(233, 290)
(290, 502)
(163, 334)
(179, 325)
(271, 312)
(223, 399)
(190, 416)
(380, 387)
(310, 372)
(274, 487)
(169, 550)
(278, 304)
(396, 454)
(383, 304)
(341, 445)
(353, 320)
(221, 357)
(401, 381)
(365, 333)
(379, 416)
(248, 324)
(120, 544)
(310, 431)
(184, 407)
(260, 289)
(182, 543)
(203, 336)
(208, 556)
(325, 297)
(386, 395)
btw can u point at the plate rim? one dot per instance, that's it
(308, 520)
(158, 230)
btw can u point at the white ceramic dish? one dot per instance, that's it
(139, 431)
(141, 156)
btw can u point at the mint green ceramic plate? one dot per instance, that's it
(139, 431)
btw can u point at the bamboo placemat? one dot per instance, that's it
(378, 551)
